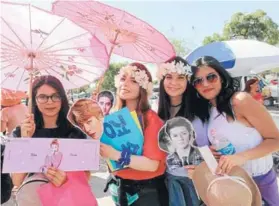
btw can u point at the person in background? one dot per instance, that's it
(244, 128)
(175, 98)
(105, 100)
(252, 87)
(12, 115)
(142, 183)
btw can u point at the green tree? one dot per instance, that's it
(80, 89)
(256, 25)
(155, 82)
(84, 88)
(213, 38)
(180, 46)
(108, 82)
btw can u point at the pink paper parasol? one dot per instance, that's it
(36, 42)
(121, 32)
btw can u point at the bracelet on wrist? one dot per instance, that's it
(125, 158)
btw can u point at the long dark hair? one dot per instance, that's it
(164, 99)
(62, 121)
(229, 87)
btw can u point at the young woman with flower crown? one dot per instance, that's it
(175, 101)
(143, 182)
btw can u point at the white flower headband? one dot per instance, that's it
(140, 77)
(172, 67)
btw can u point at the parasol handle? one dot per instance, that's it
(30, 68)
(101, 80)
(111, 49)
(30, 93)
(113, 43)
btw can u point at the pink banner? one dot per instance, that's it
(37, 154)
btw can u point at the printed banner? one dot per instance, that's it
(37, 154)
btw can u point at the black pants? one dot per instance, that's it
(151, 192)
(148, 197)
(6, 182)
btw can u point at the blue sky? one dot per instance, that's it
(193, 20)
(188, 20)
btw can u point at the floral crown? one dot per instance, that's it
(140, 76)
(170, 67)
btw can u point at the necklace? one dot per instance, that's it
(176, 105)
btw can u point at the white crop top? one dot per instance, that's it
(242, 138)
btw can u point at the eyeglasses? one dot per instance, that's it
(210, 78)
(42, 98)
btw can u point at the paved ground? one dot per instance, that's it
(97, 183)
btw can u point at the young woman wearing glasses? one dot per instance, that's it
(240, 120)
(49, 108)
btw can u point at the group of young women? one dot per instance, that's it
(204, 93)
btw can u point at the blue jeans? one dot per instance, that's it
(181, 191)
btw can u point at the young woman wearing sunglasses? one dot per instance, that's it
(241, 120)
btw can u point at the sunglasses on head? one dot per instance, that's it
(210, 78)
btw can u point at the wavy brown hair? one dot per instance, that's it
(143, 104)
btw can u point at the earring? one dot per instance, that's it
(227, 85)
(198, 95)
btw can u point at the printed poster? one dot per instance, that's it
(34, 155)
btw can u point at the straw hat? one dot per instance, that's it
(235, 189)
